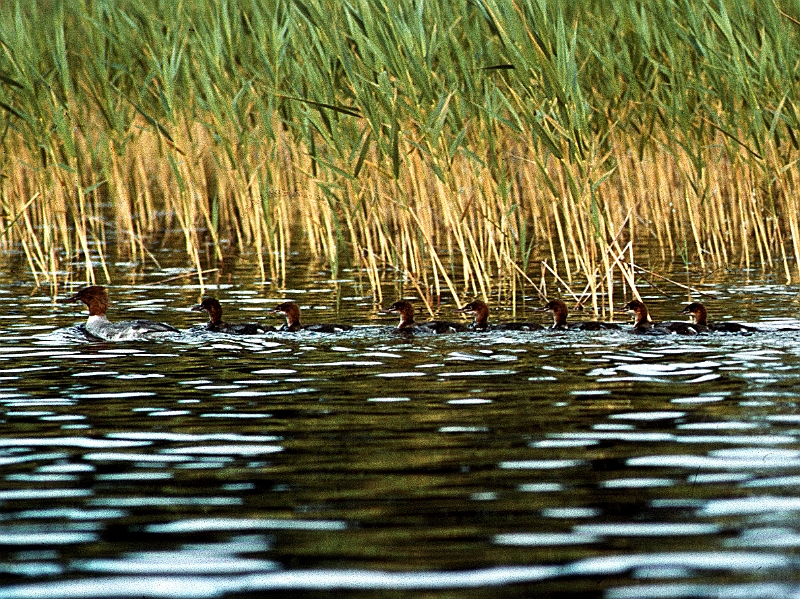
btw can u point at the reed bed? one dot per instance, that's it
(477, 147)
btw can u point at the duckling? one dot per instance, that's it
(217, 325)
(292, 313)
(699, 316)
(560, 312)
(481, 322)
(407, 324)
(642, 324)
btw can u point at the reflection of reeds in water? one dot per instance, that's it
(478, 147)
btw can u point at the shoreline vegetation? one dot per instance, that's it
(480, 147)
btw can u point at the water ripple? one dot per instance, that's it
(194, 438)
(766, 537)
(755, 590)
(201, 587)
(494, 372)
(541, 464)
(669, 369)
(543, 539)
(238, 524)
(648, 416)
(46, 538)
(700, 560)
(116, 395)
(716, 461)
(244, 450)
(36, 494)
(750, 505)
(647, 529)
(175, 562)
(82, 442)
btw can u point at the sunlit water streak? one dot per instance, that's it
(600, 464)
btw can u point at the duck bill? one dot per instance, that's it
(387, 311)
(69, 300)
(197, 308)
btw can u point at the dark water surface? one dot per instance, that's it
(480, 465)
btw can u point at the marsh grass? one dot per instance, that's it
(478, 147)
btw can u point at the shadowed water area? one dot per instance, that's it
(374, 464)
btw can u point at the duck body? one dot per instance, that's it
(561, 312)
(239, 328)
(679, 328)
(594, 325)
(699, 316)
(293, 324)
(517, 326)
(444, 326)
(95, 297)
(481, 321)
(127, 330)
(217, 325)
(407, 324)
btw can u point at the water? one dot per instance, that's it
(370, 464)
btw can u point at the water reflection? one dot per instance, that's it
(544, 463)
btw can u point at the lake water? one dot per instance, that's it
(371, 464)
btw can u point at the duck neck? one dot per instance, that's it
(406, 321)
(293, 323)
(642, 320)
(214, 317)
(701, 318)
(97, 307)
(481, 319)
(560, 319)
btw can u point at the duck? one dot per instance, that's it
(699, 316)
(407, 324)
(217, 325)
(643, 325)
(480, 310)
(292, 313)
(96, 299)
(560, 312)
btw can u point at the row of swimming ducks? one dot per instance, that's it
(96, 299)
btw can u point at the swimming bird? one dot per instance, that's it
(292, 313)
(643, 325)
(481, 321)
(699, 316)
(96, 299)
(560, 312)
(217, 325)
(407, 324)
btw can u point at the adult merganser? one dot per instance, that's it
(96, 299)
(292, 313)
(642, 325)
(481, 322)
(560, 312)
(699, 316)
(406, 311)
(217, 325)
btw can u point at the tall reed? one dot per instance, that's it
(461, 143)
